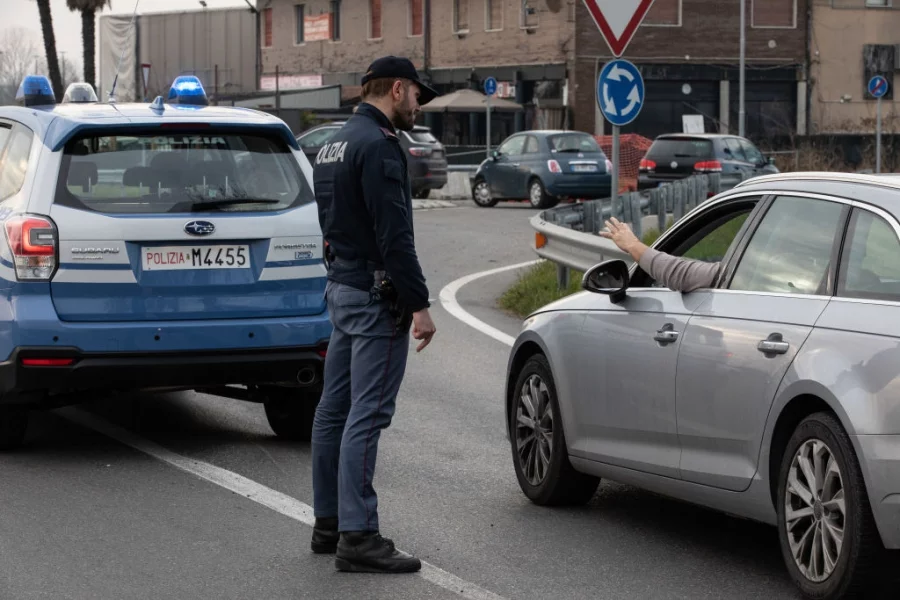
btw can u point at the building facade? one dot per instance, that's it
(689, 54)
(851, 41)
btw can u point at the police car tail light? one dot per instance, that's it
(33, 243)
(554, 166)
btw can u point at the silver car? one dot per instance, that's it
(773, 395)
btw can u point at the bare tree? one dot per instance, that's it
(20, 57)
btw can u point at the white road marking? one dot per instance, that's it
(275, 500)
(448, 300)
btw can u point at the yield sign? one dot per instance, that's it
(618, 20)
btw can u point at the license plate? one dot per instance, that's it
(172, 258)
(584, 168)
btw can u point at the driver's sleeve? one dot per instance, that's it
(679, 274)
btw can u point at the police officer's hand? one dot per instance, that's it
(423, 328)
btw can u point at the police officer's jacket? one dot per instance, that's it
(365, 206)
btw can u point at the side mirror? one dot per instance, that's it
(770, 160)
(495, 154)
(609, 277)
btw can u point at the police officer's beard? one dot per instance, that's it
(404, 116)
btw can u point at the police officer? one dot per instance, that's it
(375, 292)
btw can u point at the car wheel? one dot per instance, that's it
(538, 443)
(290, 411)
(827, 533)
(13, 424)
(537, 195)
(481, 194)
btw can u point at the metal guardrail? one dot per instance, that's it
(567, 235)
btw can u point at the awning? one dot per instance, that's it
(467, 100)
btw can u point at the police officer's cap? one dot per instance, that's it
(400, 68)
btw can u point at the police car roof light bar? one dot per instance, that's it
(35, 90)
(187, 89)
(80, 93)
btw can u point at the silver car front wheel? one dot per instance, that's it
(534, 429)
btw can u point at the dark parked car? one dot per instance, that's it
(425, 154)
(677, 156)
(544, 167)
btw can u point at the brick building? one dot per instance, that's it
(527, 45)
(689, 54)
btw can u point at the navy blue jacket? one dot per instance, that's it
(365, 205)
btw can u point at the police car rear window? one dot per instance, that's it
(181, 172)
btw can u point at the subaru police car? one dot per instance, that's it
(167, 246)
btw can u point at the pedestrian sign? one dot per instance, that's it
(490, 86)
(620, 92)
(618, 20)
(878, 86)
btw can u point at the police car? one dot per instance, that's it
(168, 246)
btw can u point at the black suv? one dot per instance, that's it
(677, 156)
(425, 154)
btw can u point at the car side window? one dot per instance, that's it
(870, 265)
(752, 153)
(531, 145)
(735, 147)
(317, 138)
(512, 146)
(791, 250)
(14, 160)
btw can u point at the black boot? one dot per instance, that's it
(368, 552)
(325, 536)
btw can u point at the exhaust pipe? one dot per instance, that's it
(306, 376)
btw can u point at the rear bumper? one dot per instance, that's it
(646, 181)
(132, 371)
(880, 462)
(580, 186)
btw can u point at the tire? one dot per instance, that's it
(290, 411)
(537, 195)
(856, 571)
(482, 195)
(557, 483)
(13, 424)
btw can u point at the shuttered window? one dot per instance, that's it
(416, 17)
(375, 23)
(460, 15)
(664, 12)
(774, 13)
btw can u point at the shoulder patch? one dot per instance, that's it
(388, 133)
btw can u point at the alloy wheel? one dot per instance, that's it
(482, 192)
(537, 194)
(534, 429)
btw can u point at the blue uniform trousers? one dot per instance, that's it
(364, 367)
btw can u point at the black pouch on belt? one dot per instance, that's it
(385, 291)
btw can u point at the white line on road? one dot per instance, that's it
(448, 300)
(280, 503)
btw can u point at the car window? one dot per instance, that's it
(791, 250)
(734, 145)
(317, 137)
(870, 267)
(14, 162)
(512, 146)
(573, 142)
(531, 145)
(752, 153)
(668, 148)
(422, 136)
(181, 172)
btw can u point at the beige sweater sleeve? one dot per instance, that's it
(679, 274)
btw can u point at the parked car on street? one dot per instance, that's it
(164, 246)
(426, 160)
(545, 167)
(773, 395)
(678, 156)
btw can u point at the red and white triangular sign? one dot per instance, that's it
(618, 20)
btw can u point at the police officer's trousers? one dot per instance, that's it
(364, 367)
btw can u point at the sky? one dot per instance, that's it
(67, 24)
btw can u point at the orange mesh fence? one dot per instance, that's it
(632, 148)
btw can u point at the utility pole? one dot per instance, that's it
(741, 92)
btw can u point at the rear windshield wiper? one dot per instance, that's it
(229, 201)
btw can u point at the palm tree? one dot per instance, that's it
(88, 9)
(50, 48)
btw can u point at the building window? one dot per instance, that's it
(267, 28)
(416, 18)
(299, 14)
(879, 3)
(773, 14)
(493, 15)
(460, 15)
(335, 20)
(664, 13)
(375, 19)
(530, 14)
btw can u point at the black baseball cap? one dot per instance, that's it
(401, 68)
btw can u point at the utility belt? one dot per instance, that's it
(383, 289)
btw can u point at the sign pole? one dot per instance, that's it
(614, 207)
(488, 126)
(490, 88)
(878, 87)
(878, 140)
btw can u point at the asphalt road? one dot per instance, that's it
(83, 516)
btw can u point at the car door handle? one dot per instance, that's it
(774, 344)
(666, 335)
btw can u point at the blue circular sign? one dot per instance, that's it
(490, 86)
(620, 92)
(878, 86)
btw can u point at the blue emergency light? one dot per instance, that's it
(35, 90)
(79, 93)
(187, 90)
